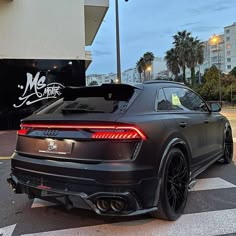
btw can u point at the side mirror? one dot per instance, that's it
(215, 107)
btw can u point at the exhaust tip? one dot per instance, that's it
(103, 205)
(118, 205)
(12, 184)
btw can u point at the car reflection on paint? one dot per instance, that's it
(120, 150)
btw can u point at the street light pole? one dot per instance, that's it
(216, 40)
(118, 42)
(218, 49)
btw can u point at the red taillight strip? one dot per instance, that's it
(93, 127)
(22, 132)
(116, 135)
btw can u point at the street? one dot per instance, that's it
(210, 210)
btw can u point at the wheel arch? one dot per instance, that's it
(175, 143)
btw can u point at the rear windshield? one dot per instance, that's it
(102, 99)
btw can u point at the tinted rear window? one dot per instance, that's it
(102, 99)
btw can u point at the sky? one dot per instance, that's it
(149, 25)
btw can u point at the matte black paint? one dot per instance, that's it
(133, 168)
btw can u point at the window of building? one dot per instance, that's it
(228, 46)
(228, 53)
(214, 58)
(228, 59)
(228, 67)
(184, 99)
(227, 38)
(227, 31)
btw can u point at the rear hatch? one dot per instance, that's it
(83, 127)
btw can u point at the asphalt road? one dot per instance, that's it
(210, 210)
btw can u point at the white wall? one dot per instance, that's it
(48, 29)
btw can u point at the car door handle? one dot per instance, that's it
(182, 124)
(206, 121)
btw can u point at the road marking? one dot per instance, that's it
(212, 183)
(205, 223)
(1, 163)
(5, 158)
(41, 203)
(7, 231)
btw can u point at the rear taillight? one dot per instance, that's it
(114, 132)
(22, 132)
(119, 132)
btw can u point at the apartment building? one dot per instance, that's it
(230, 47)
(220, 50)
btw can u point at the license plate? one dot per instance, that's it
(54, 147)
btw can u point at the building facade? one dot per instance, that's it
(158, 70)
(42, 50)
(230, 47)
(222, 51)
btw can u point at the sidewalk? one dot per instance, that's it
(7, 143)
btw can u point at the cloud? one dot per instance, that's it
(101, 53)
(189, 24)
(202, 28)
(213, 6)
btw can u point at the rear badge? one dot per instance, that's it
(52, 146)
(50, 132)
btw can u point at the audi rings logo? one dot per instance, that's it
(51, 132)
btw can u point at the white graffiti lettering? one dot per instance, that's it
(37, 90)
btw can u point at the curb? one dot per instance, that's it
(5, 158)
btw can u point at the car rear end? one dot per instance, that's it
(78, 152)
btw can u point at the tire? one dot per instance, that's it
(228, 145)
(174, 187)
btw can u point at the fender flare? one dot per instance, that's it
(172, 143)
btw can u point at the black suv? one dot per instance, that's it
(119, 149)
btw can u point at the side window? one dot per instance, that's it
(184, 99)
(162, 104)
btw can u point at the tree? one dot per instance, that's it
(148, 58)
(172, 62)
(181, 44)
(189, 52)
(144, 62)
(210, 89)
(195, 56)
(233, 72)
(141, 67)
(93, 83)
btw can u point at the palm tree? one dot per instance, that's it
(148, 58)
(195, 56)
(172, 62)
(181, 41)
(143, 63)
(141, 67)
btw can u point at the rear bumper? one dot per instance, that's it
(132, 185)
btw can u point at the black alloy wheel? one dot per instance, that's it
(228, 145)
(174, 189)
